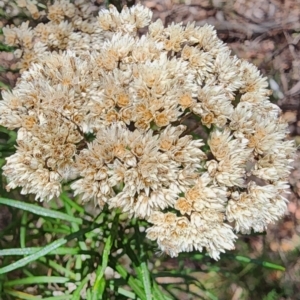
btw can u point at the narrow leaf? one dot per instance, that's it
(36, 280)
(44, 251)
(31, 250)
(41, 211)
(259, 262)
(20, 295)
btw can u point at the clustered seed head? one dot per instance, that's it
(168, 125)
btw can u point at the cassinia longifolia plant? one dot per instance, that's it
(162, 123)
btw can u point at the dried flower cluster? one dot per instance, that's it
(71, 26)
(109, 111)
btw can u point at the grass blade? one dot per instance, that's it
(132, 282)
(76, 294)
(99, 284)
(36, 280)
(21, 295)
(41, 211)
(44, 251)
(26, 260)
(31, 250)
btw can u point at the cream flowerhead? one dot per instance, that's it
(168, 125)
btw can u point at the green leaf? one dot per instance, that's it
(3, 85)
(76, 294)
(146, 280)
(126, 293)
(23, 230)
(26, 260)
(60, 269)
(158, 294)
(21, 295)
(31, 250)
(44, 251)
(64, 297)
(6, 48)
(258, 262)
(36, 280)
(41, 211)
(72, 203)
(140, 263)
(132, 282)
(99, 284)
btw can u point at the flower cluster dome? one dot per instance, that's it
(164, 124)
